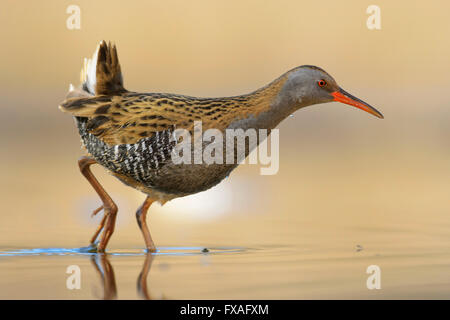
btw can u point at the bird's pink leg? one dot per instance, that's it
(110, 208)
(141, 215)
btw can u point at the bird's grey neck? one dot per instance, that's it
(280, 108)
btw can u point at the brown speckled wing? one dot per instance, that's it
(127, 118)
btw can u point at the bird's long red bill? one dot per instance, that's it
(345, 97)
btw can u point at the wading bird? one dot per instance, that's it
(128, 133)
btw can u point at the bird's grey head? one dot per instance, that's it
(308, 85)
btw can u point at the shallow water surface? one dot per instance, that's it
(267, 272)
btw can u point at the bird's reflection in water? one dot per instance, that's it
(141, 284)
(104, 268)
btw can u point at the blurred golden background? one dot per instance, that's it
(345, 178)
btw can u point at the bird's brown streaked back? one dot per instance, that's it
(129, 117)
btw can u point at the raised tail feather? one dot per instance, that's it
(100, 75)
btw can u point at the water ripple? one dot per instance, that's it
(177, 251)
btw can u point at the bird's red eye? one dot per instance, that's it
(322, 83)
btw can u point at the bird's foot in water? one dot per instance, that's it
(92, 248)
(150, 250)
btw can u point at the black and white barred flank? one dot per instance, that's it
(140, 161)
